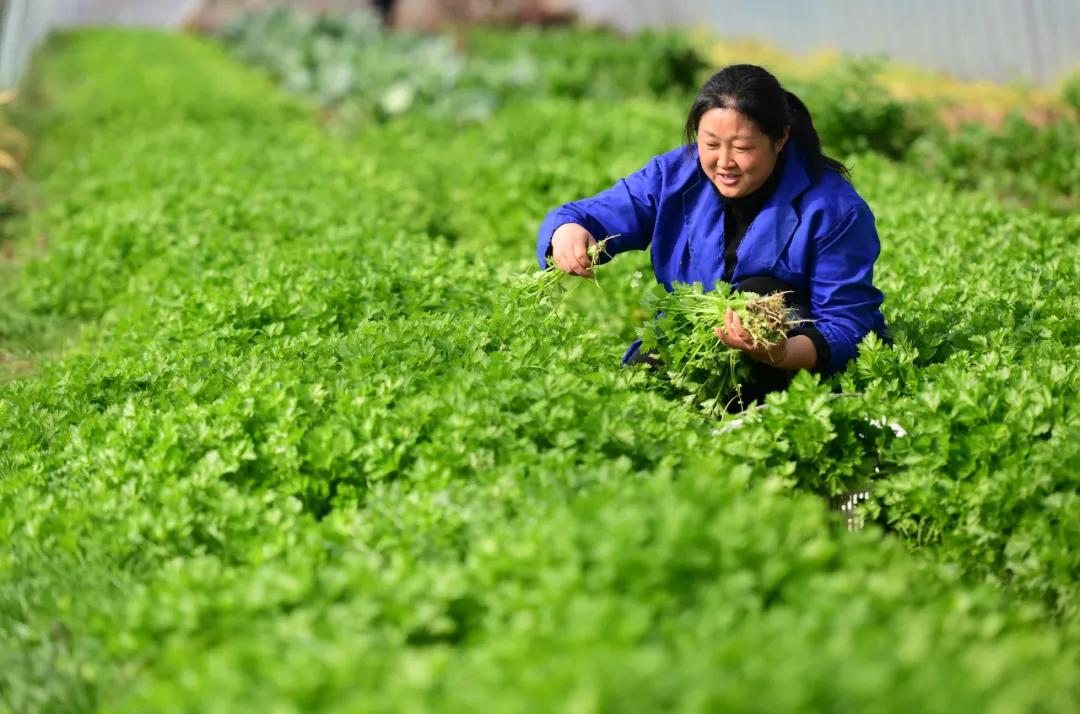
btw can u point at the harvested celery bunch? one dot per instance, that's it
(694, 359)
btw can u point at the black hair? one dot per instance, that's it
(755, 93)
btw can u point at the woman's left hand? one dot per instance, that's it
(735, 336)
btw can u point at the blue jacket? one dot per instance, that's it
(817, 236)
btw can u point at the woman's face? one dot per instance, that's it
(736, 156)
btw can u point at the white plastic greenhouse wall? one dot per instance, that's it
(24, 23)
(1037, 41)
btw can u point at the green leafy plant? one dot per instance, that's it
(552, 281)
(854, 112)
(362, 73)
(1070, 91)
(1020, 162)
(694, 358)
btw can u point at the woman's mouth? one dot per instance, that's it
(727, 179)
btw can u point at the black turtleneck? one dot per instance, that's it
(739, 213)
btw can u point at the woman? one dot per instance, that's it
(751, 200)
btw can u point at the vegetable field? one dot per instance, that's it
(296, 434)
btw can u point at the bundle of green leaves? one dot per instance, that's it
(552, 284)
(693, 357)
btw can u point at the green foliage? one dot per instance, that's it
(13, 147)
(350, 60)
(366, 74)
(1070, 91)
(593, 63)
(692, 356)
(1033, 165)
(315, 451)
(854, 113)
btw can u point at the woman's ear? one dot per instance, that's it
(783, 140)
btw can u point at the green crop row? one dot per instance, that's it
(980, 299)
(360, 73)
(1035, 166)
(314, 449)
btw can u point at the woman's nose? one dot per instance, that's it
(724, 158)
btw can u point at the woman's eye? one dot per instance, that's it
(742, 148)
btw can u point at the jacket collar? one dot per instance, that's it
(796, 177)
(777, 220)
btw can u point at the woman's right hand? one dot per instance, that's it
(570, 244)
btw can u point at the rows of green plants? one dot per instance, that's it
(1036, 166)
(360, 73)
(981, 301)
(315, 447)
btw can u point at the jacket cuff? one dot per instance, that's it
(551, 222)
(821, 346)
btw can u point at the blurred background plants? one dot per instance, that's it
(13, 148)
(1017, 141)
(360, 72)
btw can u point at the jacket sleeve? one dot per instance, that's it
(844, 303)
(627, 211)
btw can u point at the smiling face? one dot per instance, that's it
(734, 153)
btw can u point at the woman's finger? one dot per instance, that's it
(737, 329)
(740, 338)
(581, 254)
(576, 269)
(568, 263)
(561, 261)
(729, 324)
(724, 333)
